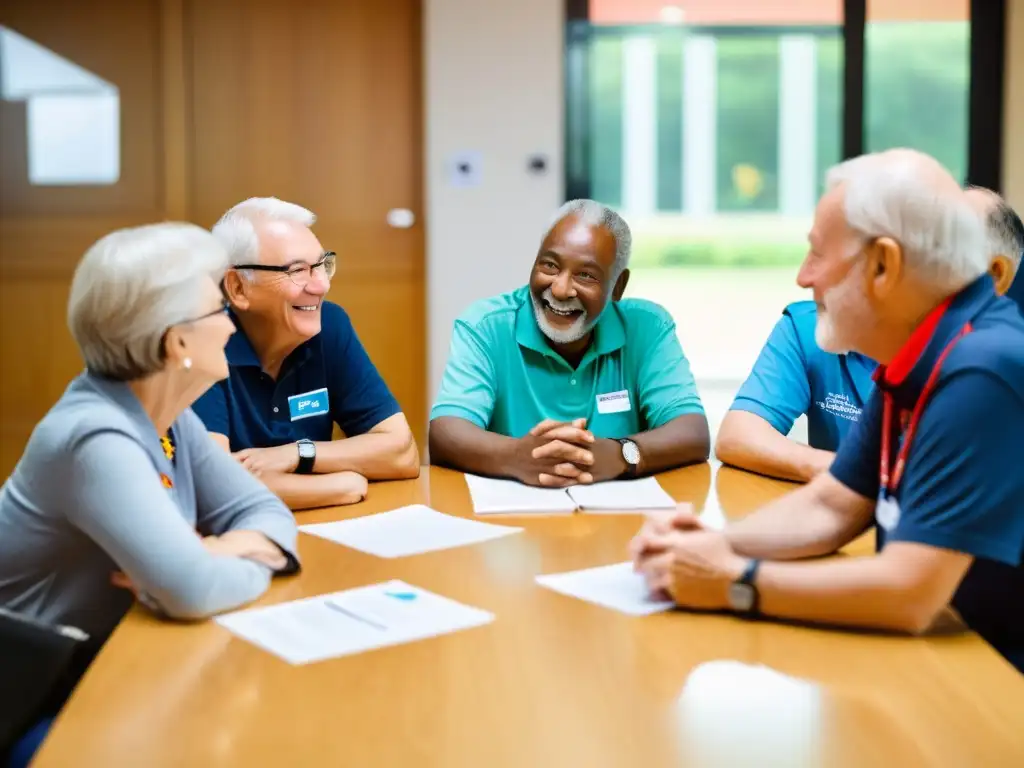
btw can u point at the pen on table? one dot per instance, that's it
(352, 615)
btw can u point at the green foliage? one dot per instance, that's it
(666, 250)
(916, 90)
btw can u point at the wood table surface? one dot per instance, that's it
(553, 681)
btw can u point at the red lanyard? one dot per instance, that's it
(908, 436)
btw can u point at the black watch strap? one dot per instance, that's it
(305, 465)
(747, 577)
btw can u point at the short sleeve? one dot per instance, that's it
(665, 385)
(777, 388)
(856, 464)
(963, 487)
(212, 409)
(359, 398)
(469, 385)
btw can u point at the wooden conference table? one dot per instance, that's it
(553, 681)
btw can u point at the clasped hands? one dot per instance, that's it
(558, 454)
(681, 558)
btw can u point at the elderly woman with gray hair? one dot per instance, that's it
(120, 492)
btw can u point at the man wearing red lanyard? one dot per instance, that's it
(897, 265)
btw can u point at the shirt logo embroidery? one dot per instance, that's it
(840, 405)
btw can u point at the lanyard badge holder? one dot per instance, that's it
(887, 511)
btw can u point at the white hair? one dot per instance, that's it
(134, 284)
(594, 214)
(237, 231)
(888, 195)
(1004, 231)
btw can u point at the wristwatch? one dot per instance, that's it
(307, 456)
(743, 595)
(631, 454)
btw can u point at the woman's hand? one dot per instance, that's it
(248, 544)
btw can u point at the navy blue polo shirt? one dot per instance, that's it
(1016, 289)
(793, 376)
(963, 488)
(251, 408)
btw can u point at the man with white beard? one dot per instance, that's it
(794, 376)
(563, 381)
(898, 267)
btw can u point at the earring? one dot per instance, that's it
(186, 363)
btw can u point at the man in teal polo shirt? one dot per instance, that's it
(562, 381)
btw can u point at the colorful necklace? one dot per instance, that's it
(167, 442)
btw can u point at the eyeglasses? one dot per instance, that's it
(300, 274)
(221, 310)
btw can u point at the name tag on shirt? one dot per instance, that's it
(887, 512)
(308, 404)
(613, 402)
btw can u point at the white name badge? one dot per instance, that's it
(308, 404)
(613, 402)
(887, 512)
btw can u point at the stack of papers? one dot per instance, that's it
(613, 586)
(356, 620)
(492, 496)
(407, 531)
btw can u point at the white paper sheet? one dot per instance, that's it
(612, 586)
(407, 531)
(622, 495)
(353, 621)
(491, 496)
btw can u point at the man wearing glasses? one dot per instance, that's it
(297, 368)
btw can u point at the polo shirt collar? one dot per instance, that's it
(609, 333)
(241, 353)
(906, 375)
(861, 371)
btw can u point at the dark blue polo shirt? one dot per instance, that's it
(251, 408)
(793, 376)
(1016, 289)
(963, 488)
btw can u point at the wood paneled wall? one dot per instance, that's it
(313, 102)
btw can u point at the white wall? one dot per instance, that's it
(493, 85)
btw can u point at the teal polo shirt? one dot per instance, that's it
(504, 377)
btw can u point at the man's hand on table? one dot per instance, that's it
(679, 557)
(280, 458)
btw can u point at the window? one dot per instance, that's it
(72, 116)
(917, 75)
(711, 123)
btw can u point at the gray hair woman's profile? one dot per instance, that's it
(120, 493)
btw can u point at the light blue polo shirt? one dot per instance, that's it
(794, 376)
(504, 377)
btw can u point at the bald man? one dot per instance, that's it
(933, 462)
(794, 376)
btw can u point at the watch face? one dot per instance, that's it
(307, 450)
(630, 453)
(741, 597)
